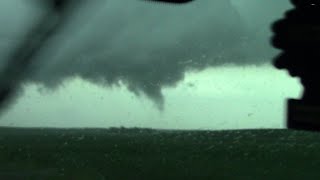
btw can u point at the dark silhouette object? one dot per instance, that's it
(298, 35)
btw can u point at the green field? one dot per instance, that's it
(119, 153)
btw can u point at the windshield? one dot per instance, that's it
(203, 65)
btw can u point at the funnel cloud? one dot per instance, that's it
(148, 46)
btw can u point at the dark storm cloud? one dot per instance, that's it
(147, 46)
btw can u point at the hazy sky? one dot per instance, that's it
(217, 98)
(141, 64)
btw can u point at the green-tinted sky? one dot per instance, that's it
(220, 98)
(156, 57)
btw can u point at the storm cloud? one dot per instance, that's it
(147, 46)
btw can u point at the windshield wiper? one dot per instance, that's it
(22, 57)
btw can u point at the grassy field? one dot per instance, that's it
(89, 154)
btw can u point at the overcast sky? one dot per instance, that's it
(133, 63)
